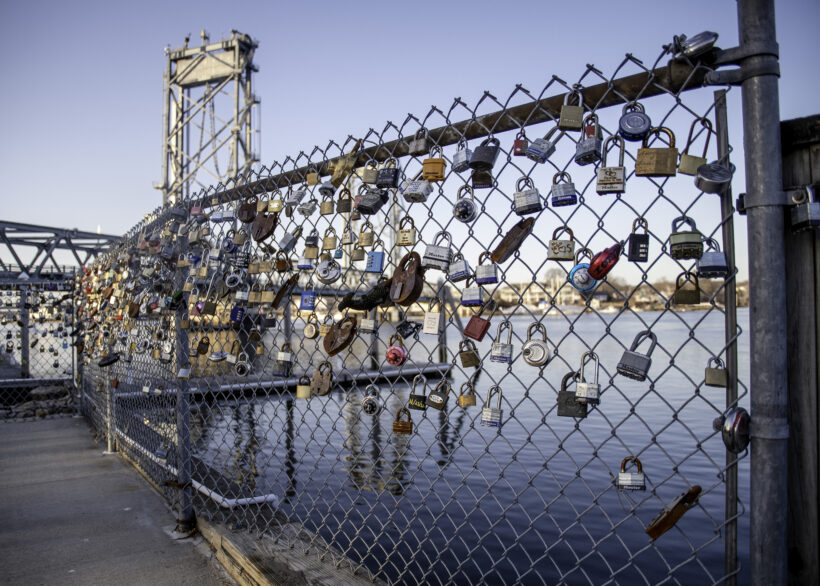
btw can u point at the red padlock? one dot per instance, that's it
(396, 353)
(603, 262)
(520, 144)
(477, 327)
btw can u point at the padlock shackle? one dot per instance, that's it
(527, 181)
(618, 140)
(401, 411)
(640, 337)
(468, 342)
(371, 393)
(707, 124)
(495, 389)
(580, 252)
(399, 341)
(632, 107)
(563, 229)
(539, 327)
(469, 190)
(504, 324)
(447, 386)
(717, 361)
(441, 237)
(640, 221)
(594, 357)
(561, 175)
(684, 219)
(684, 277)
(436, 300)
(469, 386)
(423, 383)
(628, 459)
(327, 364)
(711, 244)
(574, 92)
(657, 130)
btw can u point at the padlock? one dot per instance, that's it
(436, 255)
(631, 480)
(482, 179)
(588, 392)
(306, 208)
(330, 240)
(462, 156)
(572, 115)
(328, 206)
(437, 399)
(184, 321)
(657, 162)
(564, 193)
(502, 351)
(712, 263)
(486, 274)
(604, 261)
(357, 253)
(714, 177)
(202, 345)
(485, 154)
(416, 190)
(322, 380)
(312, 176)
(283, 365)
(520, 144)
(491, 416)
(419, 145)
(375, 259)
(541, 149)
(247, 210)
(734, 429)
(288, 241)
(348, 236)
(366, 235)
(433, 168)
(432, 317)
(418, 400)
(717, 375)
(372, 201)
(282, 263)
(233, 354)
(458, 269)
(472, 296)
(370, 402)
(311, 330)
(368, 326)
(370, 172)
(633, 364)
(345, 203)
(243, 293)
(466, 397)
(465, 209)
(612, 179)
(638, 244)
(805, 215)
(408, 329)
(304, 263)
(276, 204)
(293, 198)
(396, 353)
(312, 245)
(689, 295)
(401, 426)
(308, 300)
(536, 352)
(184, 372)
(685, 244)
(303, 388)
(689, 163)
(468, 354)
(561, 249)
(579, 276)
(589, 148)
(526, 199)
(237, 314)
(328, 271)
(634, 124)
(389, 174)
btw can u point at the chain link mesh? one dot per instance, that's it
(533, 501)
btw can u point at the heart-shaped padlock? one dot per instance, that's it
(340, 336)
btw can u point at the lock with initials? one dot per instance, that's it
(561, 249)
(432, 317)
(407, 232)
(418, 399)
(612, 179)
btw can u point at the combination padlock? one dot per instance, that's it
(465, 209)
(631, 480)
(541, 149)
(466, 397)
(432, 317)
(638, 244)
(572, 115)
(634, 124)
(418, 400)
(307, 300)
(535, 351)
(502, 351)
(585, 391)
(396, 353)
(437, 399)
(375, 259)
(563, 193)
(370, 402)
(685, 244)
(459, 269)
(526, 199)
(633, 364)
(689, 163)
(243, 365)
(589, 148)
(568, 406)
(686, 295)
(468, 354)
(407, 232)
(579, 276)
(311, 330)
(559, 249)
(712, 263)
(612, 179)
(714, 177)
(462, 156)
(657, 162)
(485, 154)
(438, 254)
(491, 416)
(486, 274)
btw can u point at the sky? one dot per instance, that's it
(81, 101)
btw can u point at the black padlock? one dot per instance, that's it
(639, 243)
(408, 329)
(485, 154)
(372, 201)
(389, 174)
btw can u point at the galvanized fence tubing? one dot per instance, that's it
(206, 397)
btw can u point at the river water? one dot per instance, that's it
(533, 501)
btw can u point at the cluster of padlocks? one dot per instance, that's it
(48, 324)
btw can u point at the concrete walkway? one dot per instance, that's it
(70, 515)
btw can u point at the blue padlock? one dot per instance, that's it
(237, 314)
(563, 193)
(579, 276)
(375, 262)
(338, 253)
(308, 300)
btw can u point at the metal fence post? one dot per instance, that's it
(24, 329)
(186, 521)
(767, 295)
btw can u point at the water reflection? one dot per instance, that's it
(246, 446)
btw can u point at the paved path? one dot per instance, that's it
(70, 515)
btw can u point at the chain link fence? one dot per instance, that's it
(213, 333)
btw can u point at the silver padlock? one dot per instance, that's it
(541, 149)
(368, 325)
(462, 156)
(472, 296)
(486, 274)
(712, 264)
(327, 189)
(535, 351)
(633, 364)
(491, 416)
(734, 429)
(416, 190)
(631, 480)
(526, 199)
(294, 197)
(288, 241)
(585, 391)
(563, 193)
(612, 179)
(685, 244)
(459, 269)
(589, 148)
(432, 317)
(308, 207)
(502, 351)
(805, 215)
(465, 209)
(714, 177)
(328, 271)
(561, 249)
(438, 254)
(419, 145)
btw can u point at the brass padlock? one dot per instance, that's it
(572, 115)
(466, 397)
(686, 296)
(326, 208)
(561, 249)
(276, 204)
(688, 163)
(407, 232)
(370, 172)
(717, 375)
(303, 388)
(312, 176)
(657, 162)
(433, 168)
(468, 354)
(357, 253)
(330, 240)
(401, 426)
(366, 234)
